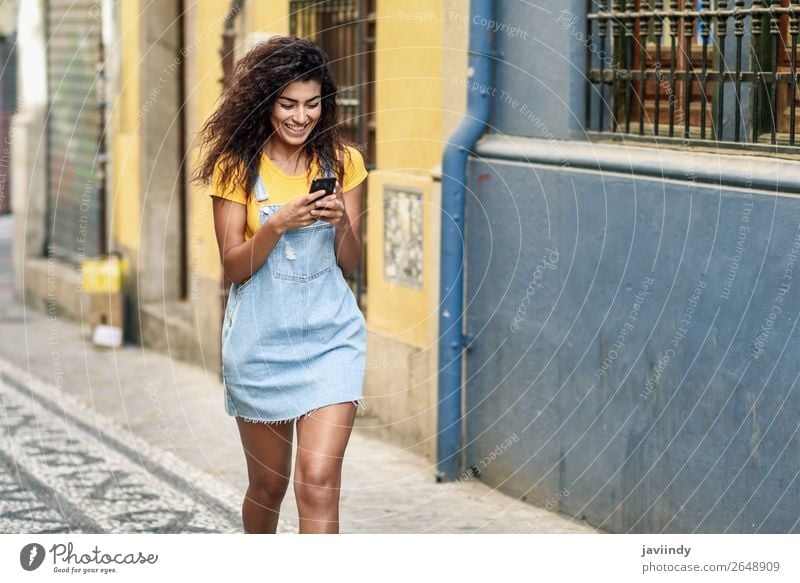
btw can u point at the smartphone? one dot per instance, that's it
(326, 184)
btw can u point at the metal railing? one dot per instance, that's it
(706, 70)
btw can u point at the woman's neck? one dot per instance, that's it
(288, 159)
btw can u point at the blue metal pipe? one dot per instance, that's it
(451, 301)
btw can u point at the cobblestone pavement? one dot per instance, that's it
(130, 440)
(64, 469)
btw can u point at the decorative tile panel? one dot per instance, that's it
(402, 239)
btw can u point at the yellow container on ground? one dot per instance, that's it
(102, 275)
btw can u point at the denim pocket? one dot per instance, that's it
(303, 254)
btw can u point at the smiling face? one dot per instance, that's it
(296, 111)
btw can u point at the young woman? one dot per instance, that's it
(293, 338)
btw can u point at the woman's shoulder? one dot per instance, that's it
(226, 181)
(350, 154)
(355, 171)
(352, 151)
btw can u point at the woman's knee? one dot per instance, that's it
(268, 489)
(268, 451)
(317, 485)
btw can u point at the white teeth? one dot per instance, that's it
(296, 128)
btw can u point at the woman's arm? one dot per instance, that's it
(241, 259)
(348, 232)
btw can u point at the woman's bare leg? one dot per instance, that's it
(322, 437)
(268, 450)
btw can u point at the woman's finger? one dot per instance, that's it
(326, 202)
(327, 213)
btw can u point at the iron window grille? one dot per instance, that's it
(337, 26)
(345, 30)
(694, 71)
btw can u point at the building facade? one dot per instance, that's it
(106, 143)
(631, 242)
(630, 228)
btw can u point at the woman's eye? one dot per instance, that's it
(310, 105)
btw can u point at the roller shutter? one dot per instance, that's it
(75, 209)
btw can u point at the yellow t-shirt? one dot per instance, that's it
(283, 188)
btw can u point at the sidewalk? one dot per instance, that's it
(160, 423)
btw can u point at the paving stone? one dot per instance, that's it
(91, 476)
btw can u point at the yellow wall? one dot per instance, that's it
(419, 45)
(126, 206)
(204, 90)
(408, 86)
(271, 16)
(204, 22)
(415, 110)
(397, 310)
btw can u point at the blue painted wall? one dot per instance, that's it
(652, 370)
(539, 69)
(636, 357)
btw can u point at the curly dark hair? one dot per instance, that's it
(232, 140)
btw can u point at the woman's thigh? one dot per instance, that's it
(322, 438)
(268, 450)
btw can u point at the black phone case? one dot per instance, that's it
(319, 183)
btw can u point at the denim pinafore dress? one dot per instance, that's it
(293, 337)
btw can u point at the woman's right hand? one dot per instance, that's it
(297, 213)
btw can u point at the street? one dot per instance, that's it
(67, 470)
(130, 440)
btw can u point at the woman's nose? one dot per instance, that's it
(301, 116)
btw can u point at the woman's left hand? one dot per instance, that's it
(331, 209)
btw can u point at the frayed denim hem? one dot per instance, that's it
(356, 402)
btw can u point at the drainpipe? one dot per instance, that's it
(452, 340)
